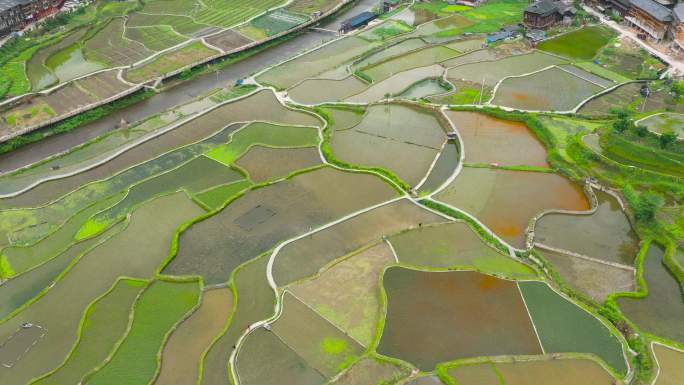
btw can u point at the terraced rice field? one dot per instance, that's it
(314, 232)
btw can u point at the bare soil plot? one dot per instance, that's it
(490, 72)
(549, 90)
(426, 380)
(505, 201)
(264, 163)
(490, 140)
(596, 279)
(605, 235)
(135, 252)
(440, 316)
(316, 91)
(564, 327)
(110, 47)
(454, 244)
(104, 324)
(307, 256)
(311, 6)
(228, 40)
(323, 346)
(170, 62)
(255, 302)
(660, 312)
(265, 217)
(315, 62)
(103, 85)
(347, 294)
(264, 359)
(396, 84)
(670, 362)
(180, 359)
(481, 55)
(373, 371)
(404, 140)
(181, 24)
(555, 372)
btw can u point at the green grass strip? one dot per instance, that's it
(161, 306)
(217, 197)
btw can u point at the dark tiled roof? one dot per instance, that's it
(7, 4)
(360, 19)
(623, 3)
(679, 11)
(654, 9)
(543, 7)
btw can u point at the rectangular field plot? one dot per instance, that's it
(480, 374)
(307, 256)
(549, 90)
(271, 24)
(267, 216)
(394, 50)
(264, 359)
(373, 371)
(103, 85)
(490, 140)
(228, 40)
(135, 252)
(454, 245)
(155, 38)
(434, 317)
(404, 140)
(315, 62)
(109, 46)
(227, 13)
(182, 24)
(162, 305)
(596, 279)
(565, 327)
(316, 91)
(605, 235)
(105, 323)
(495, 198)
(346, 294)
(323, 346)
(490, 72)
(583, 43)
(396, 84)
(311, 6)
(180, 360)
(554, 372)
(265, 163)
(420, 58)
(170, 62)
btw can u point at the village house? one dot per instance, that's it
(17, 14)
(544, 14)
(677, 29)
(650, 17)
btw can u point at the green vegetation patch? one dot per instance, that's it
(582, 44)
(386, 30)
(277, 22)
(103, 325)
(156, 38)
(217, 197)
(163, 65)
(565, 327)
(161, 306)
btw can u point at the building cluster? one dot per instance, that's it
(654, 20)
(17, 14)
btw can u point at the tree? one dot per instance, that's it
(621, 125)
(667, 138)
(641, 130)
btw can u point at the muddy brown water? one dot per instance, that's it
(434, 317)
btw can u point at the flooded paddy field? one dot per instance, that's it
(443, 169)
(493, 196)
(490, 140)
(539, 91)
(346, 294)
(267, 216)
(388, 131)
(605, 235)
(464, 325)
(373, 370)
(594, 278)
(658, 311)
(307, 256)
(265, 163)
(454, 245)
(669, 361)
(666, 122)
